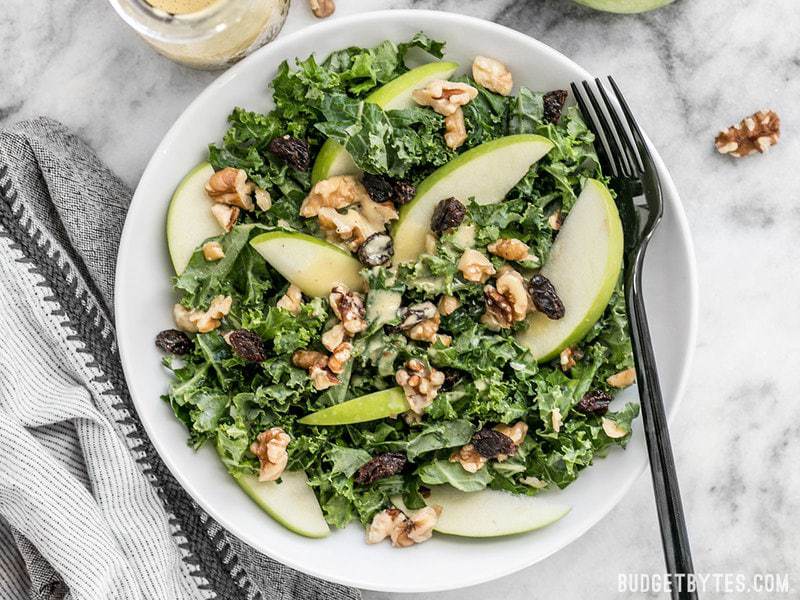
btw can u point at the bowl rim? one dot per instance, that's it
(452, 19)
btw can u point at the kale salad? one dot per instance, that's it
(393, 298)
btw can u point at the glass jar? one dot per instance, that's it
(204, 34)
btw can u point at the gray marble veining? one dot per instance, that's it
(688, 69)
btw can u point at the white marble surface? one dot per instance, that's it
(688, 70)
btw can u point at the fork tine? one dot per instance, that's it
(602, 154)
(637, 133)
(628, 146)
(608, 132)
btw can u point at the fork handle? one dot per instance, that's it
(674, 538)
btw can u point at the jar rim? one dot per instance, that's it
(158, 24)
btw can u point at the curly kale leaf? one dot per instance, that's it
(393, 143)
(242, 273)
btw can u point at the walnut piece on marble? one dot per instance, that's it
(493, 75)
(270, 448)
(230, 186)
(322, 8)
(445, 97)
(755, 133)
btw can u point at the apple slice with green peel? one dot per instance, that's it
(310, 263)
(583, 266)
(488, 513)
(189, 218)
(378, 405)
(333, 159)
(291, 502)
(624, 6)
(486, 173)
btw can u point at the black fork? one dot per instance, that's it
(624, 156)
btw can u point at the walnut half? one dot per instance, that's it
(493, 75)
(403, 530)
(445, 97)
(270, 448)
(230, 186)
(755, 133)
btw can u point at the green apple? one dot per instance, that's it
(378, 405)
(486, 173)
(310, 263)
(583, 266)
(488, 513)
(189, 218)
(291, 502)
(624, 6)
(333, 159)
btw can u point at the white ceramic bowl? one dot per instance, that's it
(144, 299)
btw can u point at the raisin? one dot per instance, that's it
(545, 298)
(174, 342)
(451, 378)
(379, 188)
(553, 104)
(594, 403)
(416, 313)
(383, 465)
(404, 191)
(376, 250)
(247, 344)
(448, 214)
(489, 443)
(293, 151)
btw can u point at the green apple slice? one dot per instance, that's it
(624, 6)
(333, 159)
(488, 513)
(486, 173)
(189, 218)
(583, 266)
(378, 405)
(291, 502)
(310, 263)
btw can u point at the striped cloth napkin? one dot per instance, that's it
(87, 509)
